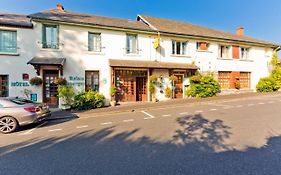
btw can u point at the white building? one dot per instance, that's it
(95, 52)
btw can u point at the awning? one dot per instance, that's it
(150, 64)
(37, 62)
(47, 61)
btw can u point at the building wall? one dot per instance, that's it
(74, 47)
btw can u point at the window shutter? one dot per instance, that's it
(235, 52)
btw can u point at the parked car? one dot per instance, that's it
(15, 112)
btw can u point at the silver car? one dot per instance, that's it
(15, 112)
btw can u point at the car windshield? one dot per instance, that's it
(20, 101)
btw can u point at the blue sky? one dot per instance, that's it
(260, 18)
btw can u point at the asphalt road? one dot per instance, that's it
(233, 136)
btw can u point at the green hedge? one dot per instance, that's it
(267, 84)
(203, 86)
(88, 100)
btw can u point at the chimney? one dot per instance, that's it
(60, 7)
(240, 31)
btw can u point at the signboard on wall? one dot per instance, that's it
(33, 97)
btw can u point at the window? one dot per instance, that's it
(179, 48)
(224, 51)
(92, 80)
(131, 45)
(8, 41)
(244, 53)
(4, 86)
(50, 37)
(203, 46)
(94, 42)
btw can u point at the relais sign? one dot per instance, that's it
(76, 81)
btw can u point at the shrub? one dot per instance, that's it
(67, 94)
(237, 84)
(168, 92)
(153, 78)
(203, 86)
(36, 81)
(60, 81)
(173, 78)
(113, 90)
(267, 84)
(88, 100)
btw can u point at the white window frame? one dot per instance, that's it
(128, 49)
(182, 51)
(243, 56)
(228, 52)
(96, 44)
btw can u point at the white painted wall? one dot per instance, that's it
(74, 48)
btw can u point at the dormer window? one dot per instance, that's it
(179, 48)
(203, 46)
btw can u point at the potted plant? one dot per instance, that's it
(113, 91)
(66, 93)
(152, 87)
(237, 84)
(60, 81)
(36, 81)
(168, 92)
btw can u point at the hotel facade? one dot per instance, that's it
(96, 52)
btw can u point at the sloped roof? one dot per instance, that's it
(150, 64)
(14, 20)
(47, 61)
(74, 17)
(183, 28)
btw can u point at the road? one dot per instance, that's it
(233, 136)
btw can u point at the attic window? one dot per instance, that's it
(203, 46)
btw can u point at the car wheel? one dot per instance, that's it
(8, 125)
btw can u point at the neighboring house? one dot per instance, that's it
(95, 52)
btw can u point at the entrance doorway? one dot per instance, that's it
(178, 86)
(131, 85)
(141, 89)
(50, 89)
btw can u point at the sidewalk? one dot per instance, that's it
(140, 106)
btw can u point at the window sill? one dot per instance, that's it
(51, 50)
(132, 54)
(249, 60)
(225, 58)
(9, 54)
(96, 53)
(204, 51)
(181, 56)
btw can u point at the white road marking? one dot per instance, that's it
(261, 103)
(54, 130)
(213, 109)
(129, 120)
(107, 123)
(239, 106)
(199, 111)
(251, 104)
(83, 126)
(227, 107)
(30, 131)
(183, 113)
(166, 115)
(271, 102)
(150, 116)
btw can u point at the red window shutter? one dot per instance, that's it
(203, 46)
(235, 52)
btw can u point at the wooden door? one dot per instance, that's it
(4, 85)
(50, 89)
(178, 86)
(128, 89)
(141, 90)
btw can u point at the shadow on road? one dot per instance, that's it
(192, 150)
